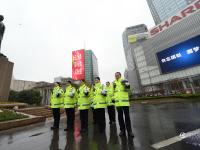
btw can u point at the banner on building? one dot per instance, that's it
(181, 56)
(78, 67)
(188, 11)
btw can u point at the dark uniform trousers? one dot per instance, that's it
(84, 119)
(100, 118)
(56, 116)
(70, 113)
(111, 113)
(94, 116)
(124, 111)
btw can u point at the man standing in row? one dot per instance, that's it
(122, 104)
(69, 105)
(99, 103)
(83, 105)
(56, 103)
(110, 104)
(92, 107)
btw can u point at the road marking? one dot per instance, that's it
(175, 139)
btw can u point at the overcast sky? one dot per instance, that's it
(41, 34)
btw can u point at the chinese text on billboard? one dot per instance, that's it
(78, 65)
(180, 56)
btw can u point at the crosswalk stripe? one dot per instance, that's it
(175, 139)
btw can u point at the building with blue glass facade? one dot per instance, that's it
(91, 66)
(168, 61)
(163, 9)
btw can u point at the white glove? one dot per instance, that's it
(104, 92)
(71, 94)
(86, 91)
(127, 83)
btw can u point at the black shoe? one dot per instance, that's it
(130, 134)
(66, 129)
(122, 133)
(83, 130)
(112, 123)
(54, 128)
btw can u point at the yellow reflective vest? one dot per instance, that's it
(109, 96)
(99, 101)
(69, 97)
(121, 96)
(83, 100)
(56, 102)
(91, 97)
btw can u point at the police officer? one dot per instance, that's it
(92, 107)
(110, 104)
(56, 102)
(83, 105)
(122, 104)
(69, 105)
(99, 102)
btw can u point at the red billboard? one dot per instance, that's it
(78, 67)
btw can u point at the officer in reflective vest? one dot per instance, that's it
(56, 102)
(99, 103)
(121, 99)
(83, 105)
(69, 105)
(92, 107)
(110, 104)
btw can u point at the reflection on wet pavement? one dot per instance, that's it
(151, 124)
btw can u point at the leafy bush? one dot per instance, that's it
(28, 96)
(10, 115)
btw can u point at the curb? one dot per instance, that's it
(21, 122)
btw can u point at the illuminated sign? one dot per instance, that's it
(132, 39)
(189, 10)
(180, 56)
(137, 37)
(78, 67)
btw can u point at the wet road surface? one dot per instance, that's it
(150, 123)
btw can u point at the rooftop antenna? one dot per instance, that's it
(84, 43)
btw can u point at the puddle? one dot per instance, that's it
(194, 140)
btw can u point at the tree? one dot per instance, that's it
(13, 96)
(28, 96)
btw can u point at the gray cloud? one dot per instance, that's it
(41, 34)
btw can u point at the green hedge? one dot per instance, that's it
(183, 96)
(28, 96)
(10, 115)
(189, 96)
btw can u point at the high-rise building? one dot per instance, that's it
(166, 62)
(133, 36)
(91, 66)
(163, 9)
